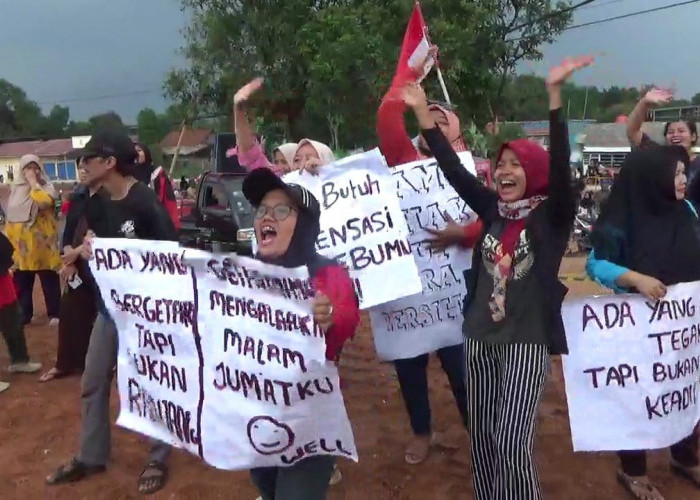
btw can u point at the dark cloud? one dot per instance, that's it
(80, 50)
(77, 51)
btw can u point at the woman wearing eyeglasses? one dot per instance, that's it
(287, 224)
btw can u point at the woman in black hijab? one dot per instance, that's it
(287, 224)
(647, 238)
(156, 178)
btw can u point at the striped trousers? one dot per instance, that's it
(504, 387)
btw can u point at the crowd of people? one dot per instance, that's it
(512, 316)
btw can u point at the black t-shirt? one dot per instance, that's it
(524, 322)
(138, 215)
(86, 212)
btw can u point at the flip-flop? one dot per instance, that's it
(415, 457)
(53, 374)
(688, 473)
(154, 482)
(629, 484)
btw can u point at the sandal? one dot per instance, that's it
(53, 374)
(73, 471)
(336, 477)
(639, 487)
(452, 439)
(691, 474)
(153, 478)
(418, 449)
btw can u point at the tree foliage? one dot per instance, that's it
(328, 62)
(22, 118)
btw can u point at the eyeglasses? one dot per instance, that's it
(279, 212)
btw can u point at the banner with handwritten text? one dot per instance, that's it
(430, 319)
(633, 372)
(362, 226)
(220, 355)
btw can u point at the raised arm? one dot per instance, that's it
(561, 202)
(394, 141)
(481, 199)
(638, 115)
(250, 152)
(245, 137)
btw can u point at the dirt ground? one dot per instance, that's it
(39, 429)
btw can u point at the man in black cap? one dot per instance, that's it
(131, 210)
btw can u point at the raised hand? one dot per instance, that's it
(247, 90)
(420, 65)
(560, 74)
(658, 96)
(414, 95)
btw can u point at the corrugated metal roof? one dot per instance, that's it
(614, 135)
(54, 147)
(17, 149)
(192, 138)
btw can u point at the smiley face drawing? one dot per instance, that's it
(268, 436)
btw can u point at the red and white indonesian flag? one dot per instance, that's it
(415, 48)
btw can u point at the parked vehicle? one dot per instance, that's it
(220, 219)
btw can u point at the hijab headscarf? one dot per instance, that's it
(324, 152)
(21, 208)
(145, 169)
(288, 150)
(454, 129)
(642, 226)
(302, 246)
(535, 162)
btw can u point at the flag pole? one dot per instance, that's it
(442, 85)
(437, 65)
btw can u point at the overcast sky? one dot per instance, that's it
(76, 52)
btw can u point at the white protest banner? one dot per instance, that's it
(430, 320)
(148, 292)
(220, 356)
(271, 398)
(633, 371)
(362, 226)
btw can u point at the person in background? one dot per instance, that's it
(646, 239)
(292, 215)
(79, 301)
(132, 210)
(32, 229)
(157, 179)
(183, 185)
(11, 317)
(512, 312)
(678, 133)
(398, 148)
(251, 154)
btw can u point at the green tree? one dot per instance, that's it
(151, 126)
(56, 123)
(80, 128)
(327, 62)
(19, 116)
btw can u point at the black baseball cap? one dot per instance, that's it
(108, 143)
(261, 181)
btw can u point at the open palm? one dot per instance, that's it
(414, 95)
(247, 90)
(559, 74)
(658, 96)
